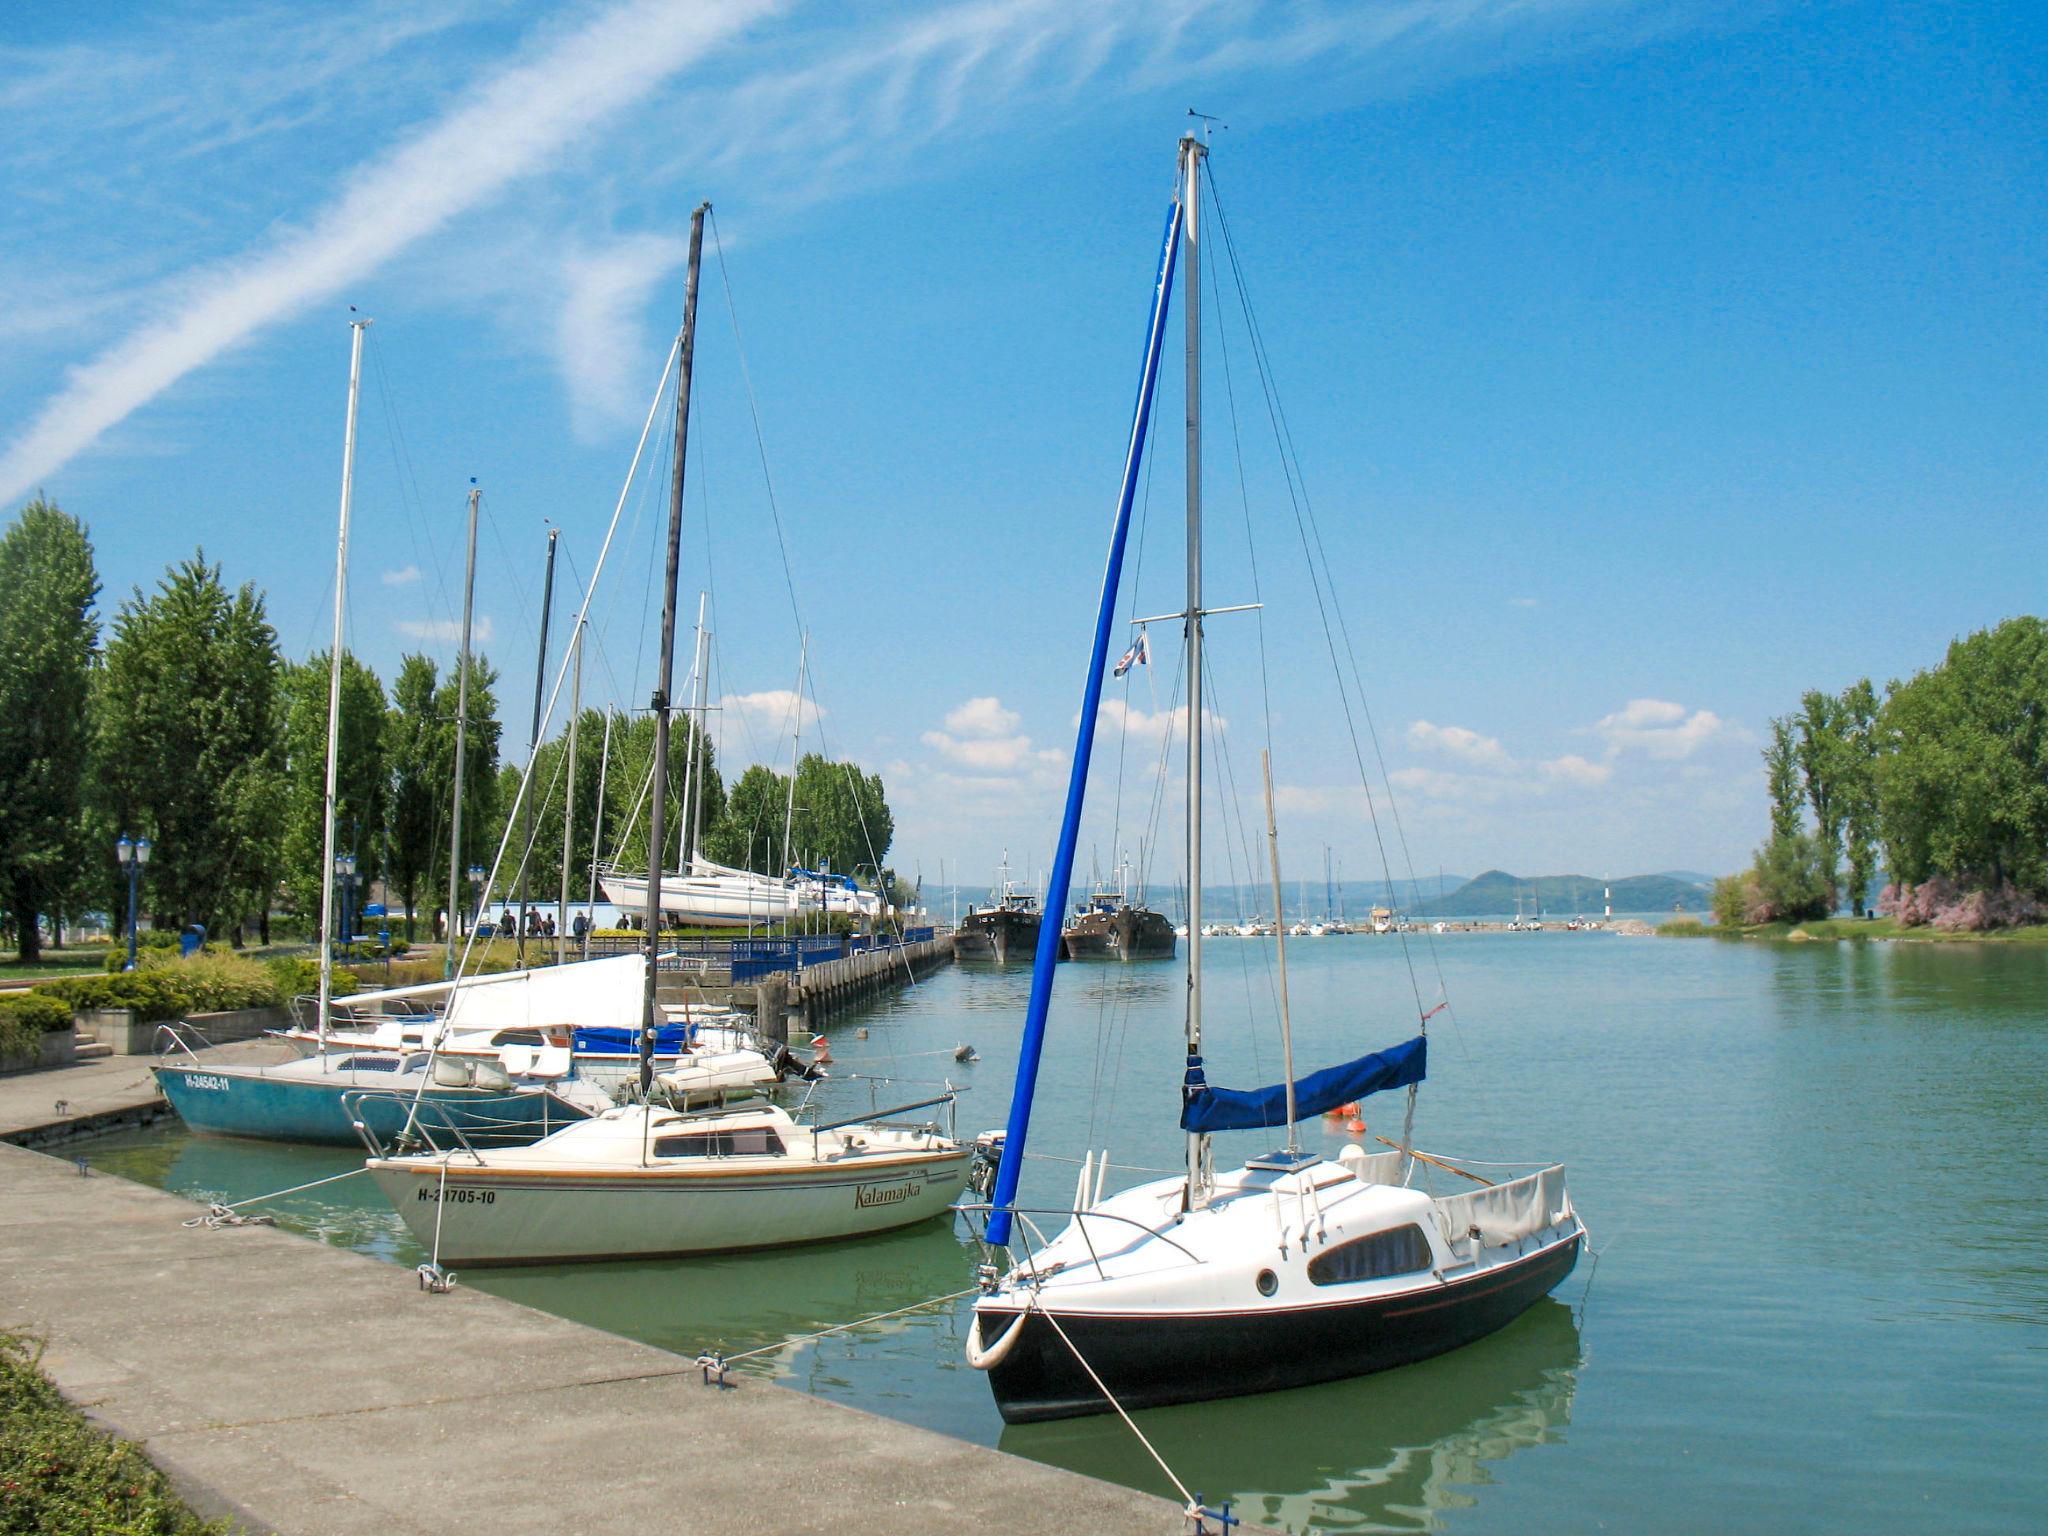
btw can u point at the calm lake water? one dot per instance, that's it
(1812, 1174)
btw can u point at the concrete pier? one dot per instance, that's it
(306, 1389)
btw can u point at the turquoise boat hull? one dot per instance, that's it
(228, 1101)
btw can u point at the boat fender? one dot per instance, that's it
(821, 1051)
(995, 1354)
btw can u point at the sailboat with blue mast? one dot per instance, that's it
(1291, 1269)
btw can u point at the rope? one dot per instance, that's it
(859, 1322)
(1188, 1499)
(218, 1215)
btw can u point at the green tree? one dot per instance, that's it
(626, 792)
(1962, 763)
(1824, 766)
(480, 792)
(185, 744)
(361, 780)
(420, 763)
(842, 817)
(1856, 717)
(1781, 769)
(48, 635)
(749, 835)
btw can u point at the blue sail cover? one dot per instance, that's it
(1235, 1109)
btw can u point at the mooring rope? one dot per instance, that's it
(719, 1360)
(1188, 1499)
(219, 1215)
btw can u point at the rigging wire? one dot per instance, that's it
(1319, 575)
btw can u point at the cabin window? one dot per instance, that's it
(370, 1064)
(747, 1141)
(1398, 1251)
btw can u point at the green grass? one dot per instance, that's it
(57, 962)
(1869, 929)
(61, 1477)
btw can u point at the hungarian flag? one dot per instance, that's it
(1139, 655)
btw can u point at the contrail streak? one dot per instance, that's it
(510, 127)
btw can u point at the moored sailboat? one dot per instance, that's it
(664, 1176)
(1291, 1269)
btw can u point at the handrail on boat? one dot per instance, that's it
(1130, 1221)
(170, 1038)
(353, 1099)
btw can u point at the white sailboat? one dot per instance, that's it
(514, 1095)
(1290, 1269)
(660, 1177)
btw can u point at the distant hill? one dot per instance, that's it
(1497, 892)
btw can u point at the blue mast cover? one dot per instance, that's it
(1239, 1109)
(1059, 888)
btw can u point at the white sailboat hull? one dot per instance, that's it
(487, 1217)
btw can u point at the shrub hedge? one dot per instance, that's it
(61, 1476)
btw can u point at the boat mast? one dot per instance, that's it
(604, 763)
(348, 491)
(697, 736)
(1003, 1198)
(656, 833)
(1280, 947)
(686, 843)
(540, 677)
(569, 799)
(1192, 153)
(461, 737)
(796, 738)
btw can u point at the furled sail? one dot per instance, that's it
(1237, 1109)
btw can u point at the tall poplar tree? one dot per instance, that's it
(48, 634)
(185, 748)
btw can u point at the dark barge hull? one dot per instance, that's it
(1150, 1362)
(998, 936)
(1131, 934)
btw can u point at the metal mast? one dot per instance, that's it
(569, 799)
(657, 833)
(461, 738)
(1192, 153)
(686, 840)
(540, 677)
(348, 491)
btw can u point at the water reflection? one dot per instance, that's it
(1394, 1452)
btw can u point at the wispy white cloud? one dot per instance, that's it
(836, 97)
(404, 576)
(1659, 729)
(1465, 745)
(1573, 769)
(597, 329)
(508, 126)
(982, 717)
(1153, 726)
(766, 718)
(481, 630)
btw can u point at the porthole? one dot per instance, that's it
(1268, 1282)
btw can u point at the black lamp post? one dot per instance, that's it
(345, 872)
(476, 880)
(133, 855)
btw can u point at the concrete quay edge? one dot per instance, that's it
(304, 1388)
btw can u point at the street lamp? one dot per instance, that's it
(476, 880)
(345, 872)
(133, 855)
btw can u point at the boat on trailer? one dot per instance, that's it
(1292, 1269)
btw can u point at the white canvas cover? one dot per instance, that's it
(1506, 1213)
(586, 994)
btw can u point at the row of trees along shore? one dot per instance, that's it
(1943, 780)
(184, 723)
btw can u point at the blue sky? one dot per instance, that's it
(1648, 363)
